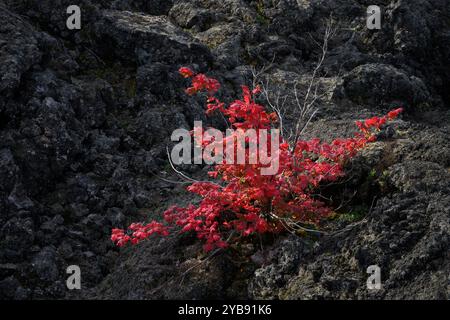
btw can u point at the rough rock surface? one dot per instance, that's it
(85, 117)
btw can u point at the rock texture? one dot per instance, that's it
(85, 117)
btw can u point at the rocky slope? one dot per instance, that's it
(85, 117)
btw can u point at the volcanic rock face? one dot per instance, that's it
(85, 117)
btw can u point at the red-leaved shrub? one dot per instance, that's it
(247, 202)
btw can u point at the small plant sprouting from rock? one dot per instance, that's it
(245, 202)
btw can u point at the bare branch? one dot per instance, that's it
(306, 108)
(184, 176)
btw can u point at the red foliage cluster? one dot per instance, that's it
(248, 202)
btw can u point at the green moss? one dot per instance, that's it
(261, 17)
(117, 75)
(130, 87)
(383, 181)
(356, 214)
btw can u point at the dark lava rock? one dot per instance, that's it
(18, 52)
(143, 38)
(380, 84)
